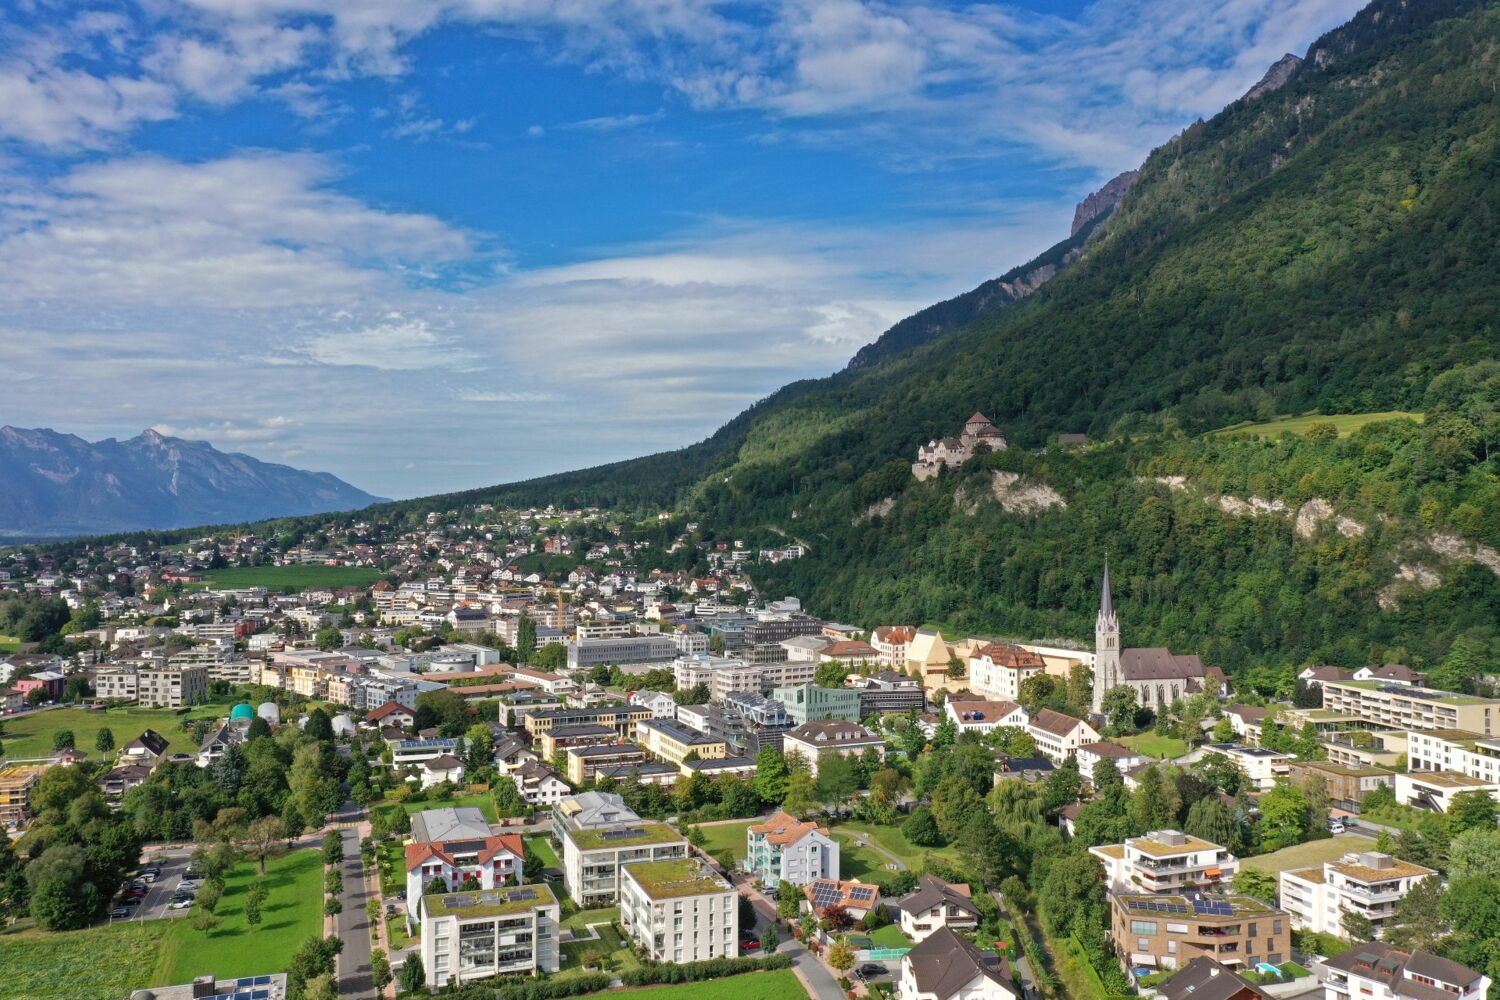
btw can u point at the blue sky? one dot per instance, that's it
(435, 245)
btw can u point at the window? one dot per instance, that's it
(1177, 928)
(1143, 927)
(1171, 947)
(1142, 944)
(1276, 927)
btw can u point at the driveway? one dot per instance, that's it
(814, 974)
(353, 923)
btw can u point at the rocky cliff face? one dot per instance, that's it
(1281, 71)
(54, 484)
(1103, 201)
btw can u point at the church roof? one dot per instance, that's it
(1159, 663)
(1106, 603)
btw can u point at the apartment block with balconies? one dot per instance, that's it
(1369, 883)
(1168, 931)
(498, 932)
(679, 910)
(1403, 706)
(592, 858)
(1165, 861)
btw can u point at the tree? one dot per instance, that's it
(1418, 924)
(479, 745)
(1357, 927)
(413, 977)
(801, 795)
(104, 740)
(380, 970)
(1223, 731)
(1253, 882)
(262, 837)
(508, 801)
(1119, 706)
(62, 897)
(1037, 692)
(255, 898)
(1471, 811)
(1151, 807)
(1284, 817)
(841, 956)
(788, 902)
(328, 638)
(313, 783)
(769, 939)
(525, 646)
(319, 726)
(1210, 819)
(1064, 785)
(62, 740)
(921, 828)
(1475, 853)
(837, 780)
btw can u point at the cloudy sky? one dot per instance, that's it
(435, 244)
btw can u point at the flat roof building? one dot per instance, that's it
(1167, 931)
(679, 910)
(485, 933)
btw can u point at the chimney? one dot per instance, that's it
(1213, 970)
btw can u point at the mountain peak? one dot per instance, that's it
(54, 484)
(1281, 71)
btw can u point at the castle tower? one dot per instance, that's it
(1106, 644)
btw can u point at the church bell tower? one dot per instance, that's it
(1106, 644)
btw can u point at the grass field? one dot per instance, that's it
(781, 984)
(291, 577)
(9, 644)
(862, 863)
(1347, 423)
(892, 839)
(101, 963)
(728, 837)
(542, 848)
(1152, 745)
(31, 735)
(293, 912)
(889, 936)
(1314, 852)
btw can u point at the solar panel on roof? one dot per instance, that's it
(523, 894)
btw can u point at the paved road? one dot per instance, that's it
(813, 972)
(159, 893)
(353, 924)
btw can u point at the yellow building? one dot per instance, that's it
(672, 741)
(16, 783)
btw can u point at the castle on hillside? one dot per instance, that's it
(1158, 676)
(979, 435)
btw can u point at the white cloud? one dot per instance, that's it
(399, 344)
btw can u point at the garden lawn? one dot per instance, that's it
(726, 837)
(892, 839)
(1152, 745)
(280, 578)
(31, 735)
(610, 944)
(580, 919)
(292, 913)
(889, 936)
(1307, 855)
(781, 984)
(99, 963)
(542, 848)
(862, 863)
(9, 644)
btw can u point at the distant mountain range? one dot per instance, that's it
(56, 485)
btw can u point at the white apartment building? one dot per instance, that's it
(985, 716)
(1445, 763)
(171, 687)
(1059, 736)
(815, 741)
(661, 704)
(997, 670)
(786, 849)
(1369, 883)
(1403, 706)
(592, 857)
(679, 910)
(491, 932)
(1165, 861)
(1260, 765)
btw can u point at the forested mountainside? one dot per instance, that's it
(1328, 246)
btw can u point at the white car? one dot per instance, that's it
(186, 886)
(179, 904)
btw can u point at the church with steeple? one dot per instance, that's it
(1158, 676)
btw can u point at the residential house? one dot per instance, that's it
(539, 784)
(815, 741)
(786, 849)
(1377, 970)
(1204, 979)
(1059, 736)
(857, 899)
(1165, 861)
(1369, 883)
(1263, 767)
(947, 966)
(935, 904)
(489, 860)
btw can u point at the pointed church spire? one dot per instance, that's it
(1106, 604)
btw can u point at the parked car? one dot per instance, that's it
(1335, 826)
(749, 942)
(150, 876)
(871, 971)
(185, 884)
(180, 904)
(119, 911)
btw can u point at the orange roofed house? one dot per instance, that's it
(456, 844)
(786, 849)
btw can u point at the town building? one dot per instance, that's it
(168, 686)
(1406, 707)
(592, 856)
(1205, 979)
(935, 904)
(1166, 932)
(485, 933)
(539, 784)
(622, 718)
(586, 653)
(267, 987)
(1058, 736)
(17, 780)
(1346, 786)
(1125, 759)
(490, 860)
(984, 716)
(679, 910)
(1261, 766)
(998, 669)
(890, 642)
(1369, 883)
(809, 703)
(857, 899)
(1377, 970)
(1165, 861)
(660, 703)
(585, 762)
(786, 849)
(673, 742)
(947, 966)
(816, 741)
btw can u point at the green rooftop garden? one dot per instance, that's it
(631, 836)
(489, 902)
(675, 878)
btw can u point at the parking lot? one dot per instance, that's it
(159, 893)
